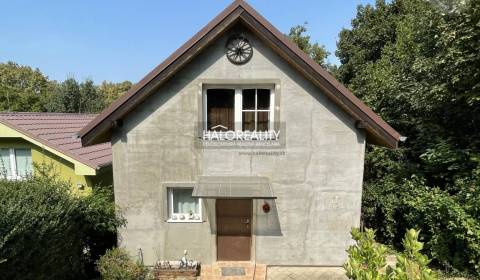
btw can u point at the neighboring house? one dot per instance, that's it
(189, 169)
(49, 139)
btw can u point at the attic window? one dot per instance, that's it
(239, 108)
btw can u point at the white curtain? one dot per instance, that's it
(5, 168)
(183, 202)
(24, 162)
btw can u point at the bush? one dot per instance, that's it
(367, 259)
(116, 264)
(452, 234)
(450, 223)
(411, 264)
(45, 232)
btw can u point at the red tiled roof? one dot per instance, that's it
(59, 132)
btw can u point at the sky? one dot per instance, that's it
(117, 40)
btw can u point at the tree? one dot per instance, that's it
(25, 89)
(22, 88)
(70, 91)
(91, 100)
(317, 52)
(111, 91)
(416, 63)
(373, 28)
(54, 99)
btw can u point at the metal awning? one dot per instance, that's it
(233, 187)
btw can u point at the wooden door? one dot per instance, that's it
(234, 229)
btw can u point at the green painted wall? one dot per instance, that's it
(62, 168)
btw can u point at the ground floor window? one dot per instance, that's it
(183, 207)
(15, 163)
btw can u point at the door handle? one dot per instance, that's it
(246, 221)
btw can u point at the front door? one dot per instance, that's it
(234, 229)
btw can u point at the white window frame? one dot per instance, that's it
(256, 110)
(238, 104)
(13, 164)
(187, 218)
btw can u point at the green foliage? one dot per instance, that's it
(116, 264)
(416, 63)
(111, 91)
(70, 91)
(317, 52)
(27, 90)
(367, 259)
(450, 223)
(47, 233)
(22, 88)
(90, 98)
(451, 230)
(411, 264)
(372, 29)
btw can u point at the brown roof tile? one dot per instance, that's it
(59, 131)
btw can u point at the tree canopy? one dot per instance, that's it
(416, 63)
(24, 89)
(298, 34)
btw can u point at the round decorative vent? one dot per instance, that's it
(238, 50)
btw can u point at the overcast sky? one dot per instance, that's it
(123, 40)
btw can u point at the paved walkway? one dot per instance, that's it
(219, 270)
(305, 273)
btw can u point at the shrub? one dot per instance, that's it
(116, 264)
(367, 259)
(452, 234)
(449, 221)
(45, 232)
(411, 264)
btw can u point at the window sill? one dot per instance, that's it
(184, 221)
(184, 218)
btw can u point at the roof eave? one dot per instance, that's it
(66, 155)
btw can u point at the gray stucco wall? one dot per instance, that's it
(318, 181)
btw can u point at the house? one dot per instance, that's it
(239, 147)
(49, 140)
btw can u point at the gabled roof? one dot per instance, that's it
(58, 131)
(377, 130)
